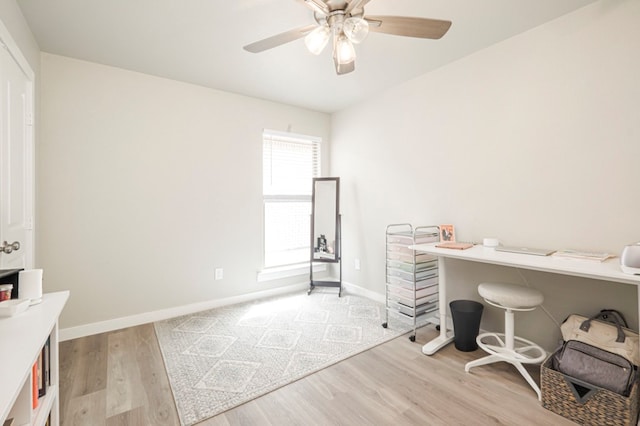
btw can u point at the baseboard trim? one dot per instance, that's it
(361, 291)
(159, 315)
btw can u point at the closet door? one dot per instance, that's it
(16, 163)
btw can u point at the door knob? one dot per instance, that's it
(8, 248)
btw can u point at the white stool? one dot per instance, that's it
(505, 346)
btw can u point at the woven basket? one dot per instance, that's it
(584, 403)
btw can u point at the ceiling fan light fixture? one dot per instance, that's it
(344, 51)
(356, 29)
(317, 39)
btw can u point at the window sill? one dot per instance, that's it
(276, 273)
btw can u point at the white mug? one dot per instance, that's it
(30, 285)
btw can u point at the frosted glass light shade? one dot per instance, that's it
(317, 39)
(345, 52)
(356, 29)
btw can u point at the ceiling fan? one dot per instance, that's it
(345, 23)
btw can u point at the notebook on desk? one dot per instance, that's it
(525, 250)
(454, 245)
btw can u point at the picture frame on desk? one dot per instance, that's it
(447, 233)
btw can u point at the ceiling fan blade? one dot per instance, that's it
(317, 6)
(279, 39)
(408, 26)
(355, 6)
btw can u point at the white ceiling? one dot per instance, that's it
(200, 42)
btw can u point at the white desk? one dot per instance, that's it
(605, 271)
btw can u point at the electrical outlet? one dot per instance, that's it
(219, 274)
(356, 264)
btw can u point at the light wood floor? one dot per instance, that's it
(118, 378)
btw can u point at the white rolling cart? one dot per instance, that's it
(411, 277)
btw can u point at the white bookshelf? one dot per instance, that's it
(22, 338)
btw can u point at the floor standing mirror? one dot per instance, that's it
(325, 230)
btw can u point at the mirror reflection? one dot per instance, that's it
(324, 219)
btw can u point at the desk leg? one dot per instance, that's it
(445, 337)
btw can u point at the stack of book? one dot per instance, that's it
(41, 374)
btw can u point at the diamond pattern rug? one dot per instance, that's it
(221, 358)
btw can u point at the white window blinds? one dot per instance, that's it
(289, 163)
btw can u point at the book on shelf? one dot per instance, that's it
(44, 374)
(39, 362)
(47, 362)
(583, 255)
(34, 385)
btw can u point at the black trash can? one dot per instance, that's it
(466, 315)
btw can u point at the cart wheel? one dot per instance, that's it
(384, 325)
(412, 338)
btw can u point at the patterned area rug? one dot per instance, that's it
(221, 358)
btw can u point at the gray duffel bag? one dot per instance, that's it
(595, 366)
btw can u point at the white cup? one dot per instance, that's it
(30, 285)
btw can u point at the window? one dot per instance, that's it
(290, 162)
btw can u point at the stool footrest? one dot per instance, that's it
(500, 353)
(527, 353)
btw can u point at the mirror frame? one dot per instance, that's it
(336, 215)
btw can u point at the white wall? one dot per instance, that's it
(535, 141)
(146, 185)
